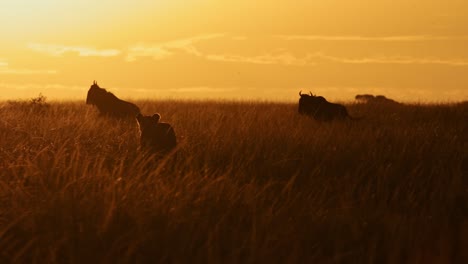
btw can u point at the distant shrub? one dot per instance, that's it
(39, 100)
(36, 104)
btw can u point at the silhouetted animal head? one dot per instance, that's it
(147, 122)
(108, 104)
(320, 109)
(97, 94)
(309, 101)
(155, 136)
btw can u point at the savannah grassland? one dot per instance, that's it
(251, 182)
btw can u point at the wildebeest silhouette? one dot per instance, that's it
(320, 109)
(156, 137)
(108, 104)
(371, 99)
(364, 97)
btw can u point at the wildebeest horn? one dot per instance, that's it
(300, 93)
(311, 93)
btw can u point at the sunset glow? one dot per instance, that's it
(406, 50)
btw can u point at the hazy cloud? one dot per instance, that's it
(166, 49)
(239, 38)
(376, 38)
(142, 50)
(288, 59)
(35, 86)
(58, 50)
(391, 60)
(285, 58)
(26, 90)
(6, 69)
(201, 89)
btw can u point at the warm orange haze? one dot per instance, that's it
(406, 50)
(210, 131)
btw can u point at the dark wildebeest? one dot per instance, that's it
(370, 99)
(155, 137)
(320, 109)
(108, 104)
(365, 97)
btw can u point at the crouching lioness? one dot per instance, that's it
(155, 137)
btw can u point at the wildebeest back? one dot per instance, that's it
(320, 109)
(109, 104)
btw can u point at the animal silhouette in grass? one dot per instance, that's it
(378, 99)
(156, 137)
(110, 105)
(320, 109)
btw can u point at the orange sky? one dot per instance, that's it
(410, 50)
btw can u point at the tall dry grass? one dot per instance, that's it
(251, 182)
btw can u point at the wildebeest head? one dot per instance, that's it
(96, 94)
(308, 102)
(109, 104)
(320, 109)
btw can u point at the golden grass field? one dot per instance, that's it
(251, 182)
